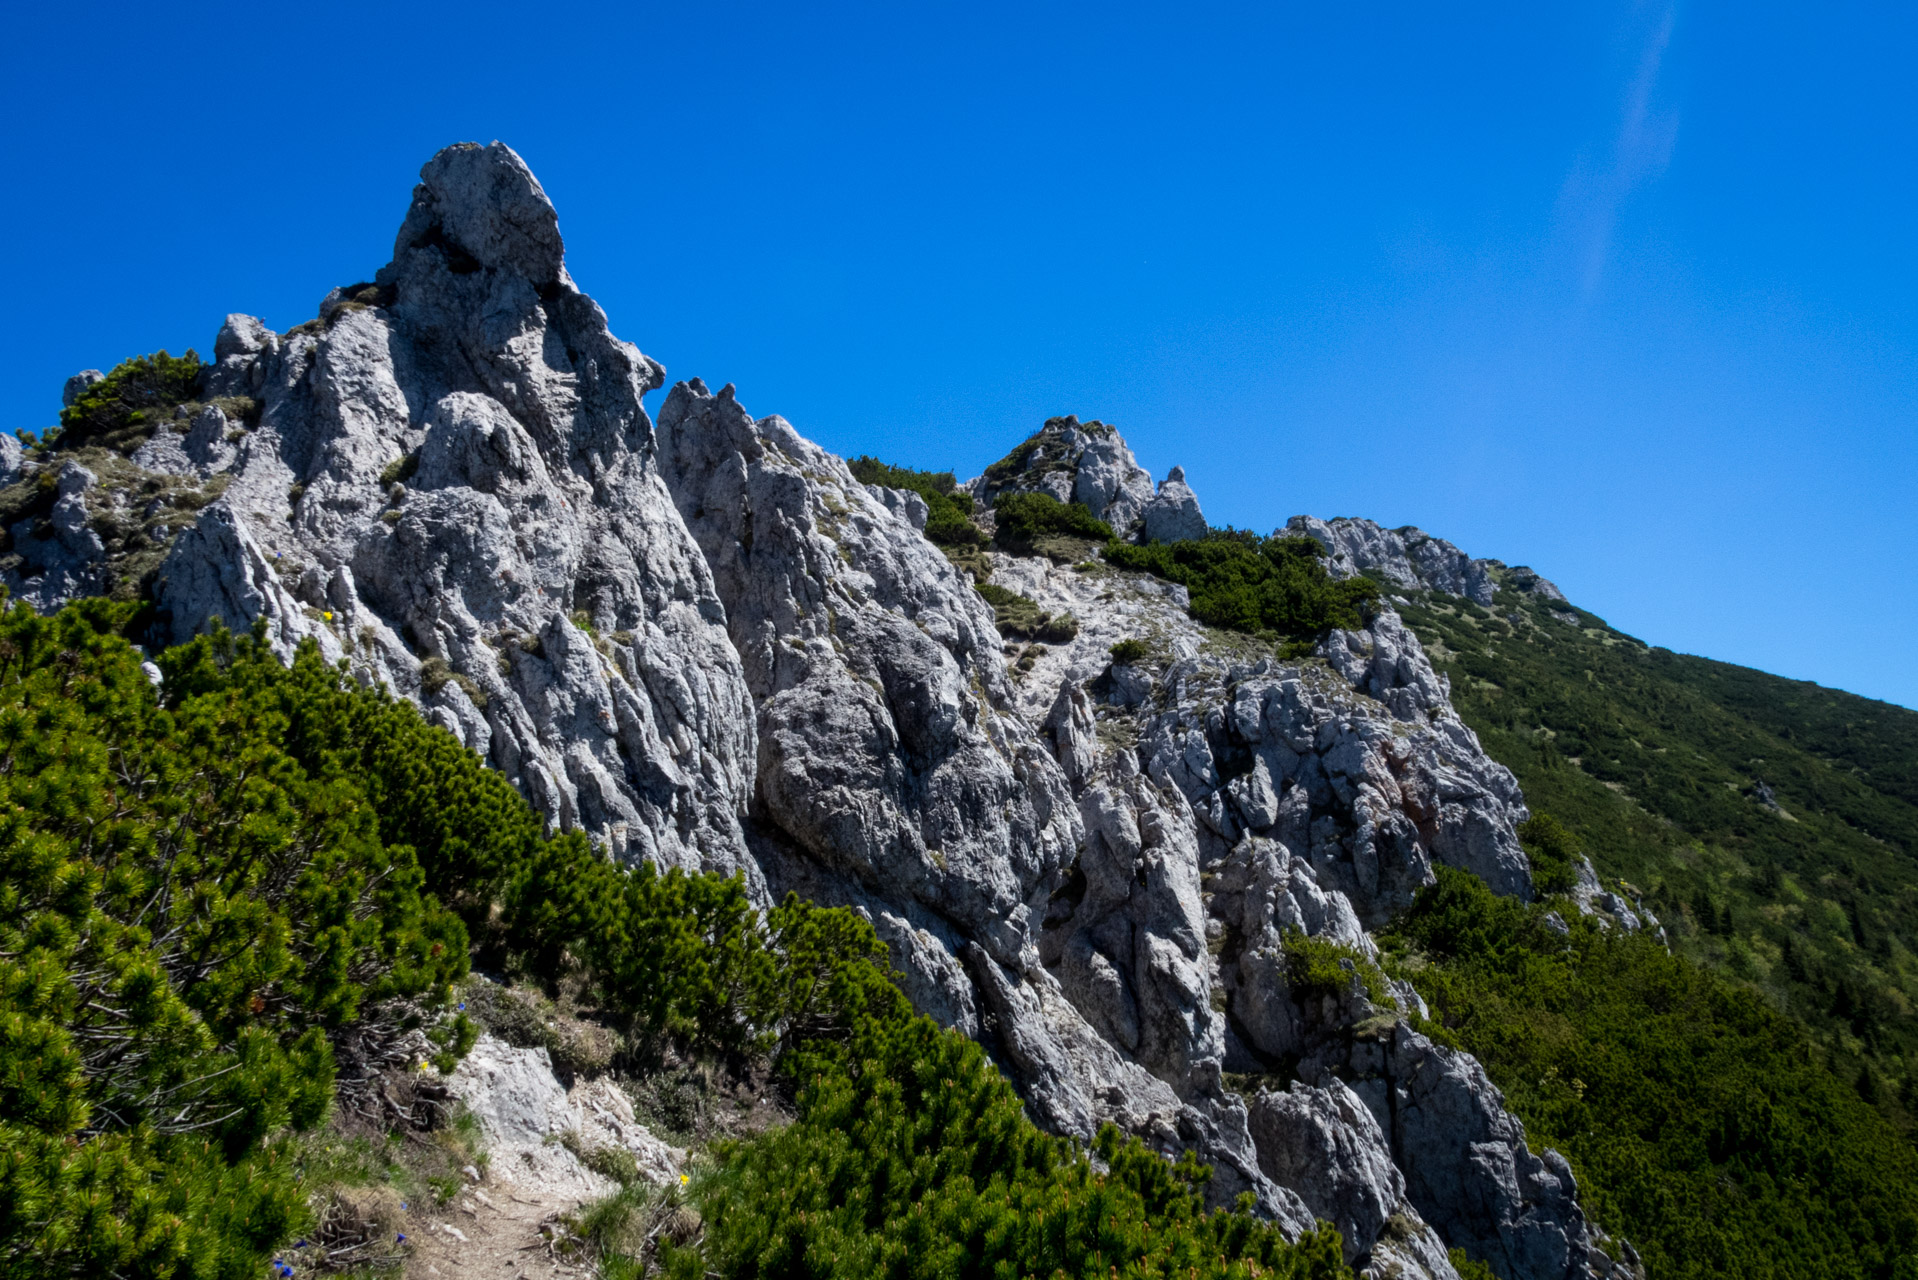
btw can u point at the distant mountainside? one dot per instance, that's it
(1770, 822)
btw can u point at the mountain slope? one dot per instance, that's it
(1770, 823)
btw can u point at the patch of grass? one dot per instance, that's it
(1127, 652)
(401, 469)
(1019, 617)
(1320, 967)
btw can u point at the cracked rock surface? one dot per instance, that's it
(708, 646)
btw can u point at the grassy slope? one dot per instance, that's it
(1652, 759)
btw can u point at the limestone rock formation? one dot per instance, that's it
(709, 646)
(452, 486)
(1414, 560)
(1173, 514)
(1074, 462)
(1324, 1143)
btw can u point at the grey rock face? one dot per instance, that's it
(1173, 514)
(1076, 462)
(709, 646)
(65, 557)
(1470, 1173)
(10, 455)
(1321, 792)
(77, 386)
(450, 467)
(1323, 1143)
(895, 776)
(1414, 560)
(874, 665)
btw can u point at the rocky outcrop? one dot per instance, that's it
(1173, 514)
(534, 1127)
(709, 646)
(452, 487)
(1414, 560)
(896, 776)
(875, 669)
(1072, 461)
(1323, 1143)
(1321, 792)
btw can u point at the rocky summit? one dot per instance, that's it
(707, 645)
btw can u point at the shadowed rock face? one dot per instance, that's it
(709, 646)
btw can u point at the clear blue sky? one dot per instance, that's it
(1621, 291)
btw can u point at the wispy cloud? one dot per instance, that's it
(1593, 194)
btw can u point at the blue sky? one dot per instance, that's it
(1621, 291)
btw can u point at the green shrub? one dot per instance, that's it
(210, 897)
(189, 917)
(401, 469)
(1468, 1269)
(1127, 652)
(1023, 518)
(1242, 582)
(1320, 967)
(1020, 617)
(1702, 1124)
(1551, 850)
(121, 410)
(1014, 462)
(912, 1157)
(949, 516)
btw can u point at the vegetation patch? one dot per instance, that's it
(949, 519)
(1128, 652)
(1703, 1124)
(1551, 850)
(1022, 519)
(237, 898)
(1242, 582)
(912, 1156)
(401, 469)
(1651, 760)
(121, 410)
(1020, 617)
(1320, 967)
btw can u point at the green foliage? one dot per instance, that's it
(1127, 652)
(949, 518)
(912, 1157)
(1020, 519)
(1651, 761)
(121, 409)
(1320, 967)
(1242, 582)
(1015, 462)
(214, 896)
(401, 469)
(1551, 850)
(1021, 617)
(1702, 1123)
(189, 920)
(1468, 1269)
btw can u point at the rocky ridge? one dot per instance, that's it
(1414, 560)
(708, 646)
